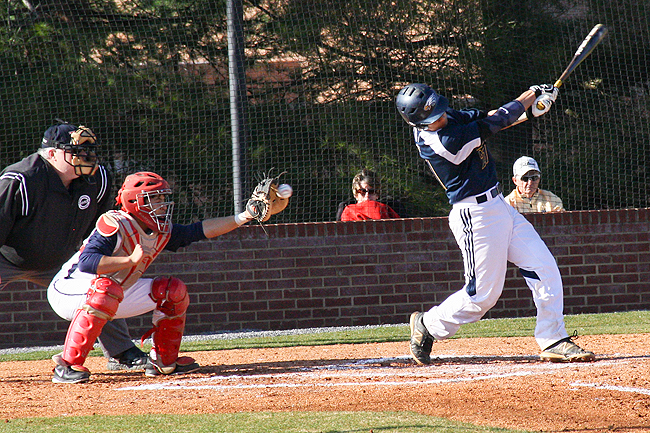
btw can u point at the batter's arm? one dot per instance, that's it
(508, 115)
(527, 99)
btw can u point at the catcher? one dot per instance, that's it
(102, 281)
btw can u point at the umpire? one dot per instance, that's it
(49, 203)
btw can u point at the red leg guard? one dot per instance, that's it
(82, 333)
(104, 296)
(167, 340)
(171, 296)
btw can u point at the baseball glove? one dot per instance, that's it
(265, 201)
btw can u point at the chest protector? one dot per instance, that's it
(129, 235)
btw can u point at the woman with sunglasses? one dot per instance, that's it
(528, 196)
(365, 188)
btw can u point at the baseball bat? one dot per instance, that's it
(594, 38)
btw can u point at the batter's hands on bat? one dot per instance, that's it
(546, 95)
(545, 89)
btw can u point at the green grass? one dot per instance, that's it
(260, 422)
(319, 422)
(632, 322)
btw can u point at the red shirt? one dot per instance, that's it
(368, 210)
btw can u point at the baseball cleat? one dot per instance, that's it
(132, 359)
(71, 374)
(421, 340)
(184, 365)
(566, 350)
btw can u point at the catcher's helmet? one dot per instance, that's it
(137, 196)
(78, 142)
(419, 105)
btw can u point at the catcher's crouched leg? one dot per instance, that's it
(103, 299)
(172, 301)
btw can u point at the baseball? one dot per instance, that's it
(285, 191)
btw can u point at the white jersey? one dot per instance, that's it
(129, 234)
(67, 291)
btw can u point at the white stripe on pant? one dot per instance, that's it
(489, 235)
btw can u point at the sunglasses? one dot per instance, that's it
(364, 191)
(534, 178)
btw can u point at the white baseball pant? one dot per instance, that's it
(489, 235)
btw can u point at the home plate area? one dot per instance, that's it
(398, 372)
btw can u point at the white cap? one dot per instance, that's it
(523, 165)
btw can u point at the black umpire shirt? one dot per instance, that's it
(42, 224)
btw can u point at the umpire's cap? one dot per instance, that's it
(66, 134)
(419, 105)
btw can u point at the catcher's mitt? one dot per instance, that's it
(265, 201)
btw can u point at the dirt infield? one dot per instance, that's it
(494, 382)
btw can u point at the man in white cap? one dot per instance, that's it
(528, 196)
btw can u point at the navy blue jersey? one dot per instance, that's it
(457, 153)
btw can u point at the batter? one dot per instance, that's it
(488, 231)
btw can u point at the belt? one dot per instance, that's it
(489, 195)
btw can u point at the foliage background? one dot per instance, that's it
(151, 79)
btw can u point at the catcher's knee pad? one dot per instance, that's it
(170, 295)
(103, 298)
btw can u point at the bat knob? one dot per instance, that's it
(542, 105)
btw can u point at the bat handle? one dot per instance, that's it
(558, 83)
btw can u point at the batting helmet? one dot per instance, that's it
(79, 143)
(140, 196)
(419, 105)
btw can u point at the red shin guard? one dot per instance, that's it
(167, 339)
(171, 296)
(82, 333)
(103, 299)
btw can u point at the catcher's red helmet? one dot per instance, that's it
(137, 196)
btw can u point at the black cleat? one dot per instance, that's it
(71, 374)
(421, 340)
(184, 365)
(132, 359)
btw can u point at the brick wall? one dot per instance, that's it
(359, 273)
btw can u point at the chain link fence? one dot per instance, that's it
(152, 80)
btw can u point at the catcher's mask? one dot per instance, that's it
(146, 196)
(80, 145)
(419, 105)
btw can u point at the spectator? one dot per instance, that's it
(528, 196)
(366, 190)
(49, 202)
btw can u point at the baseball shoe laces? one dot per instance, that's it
(566, 350)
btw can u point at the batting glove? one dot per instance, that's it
(545, 89)
(541, 105)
